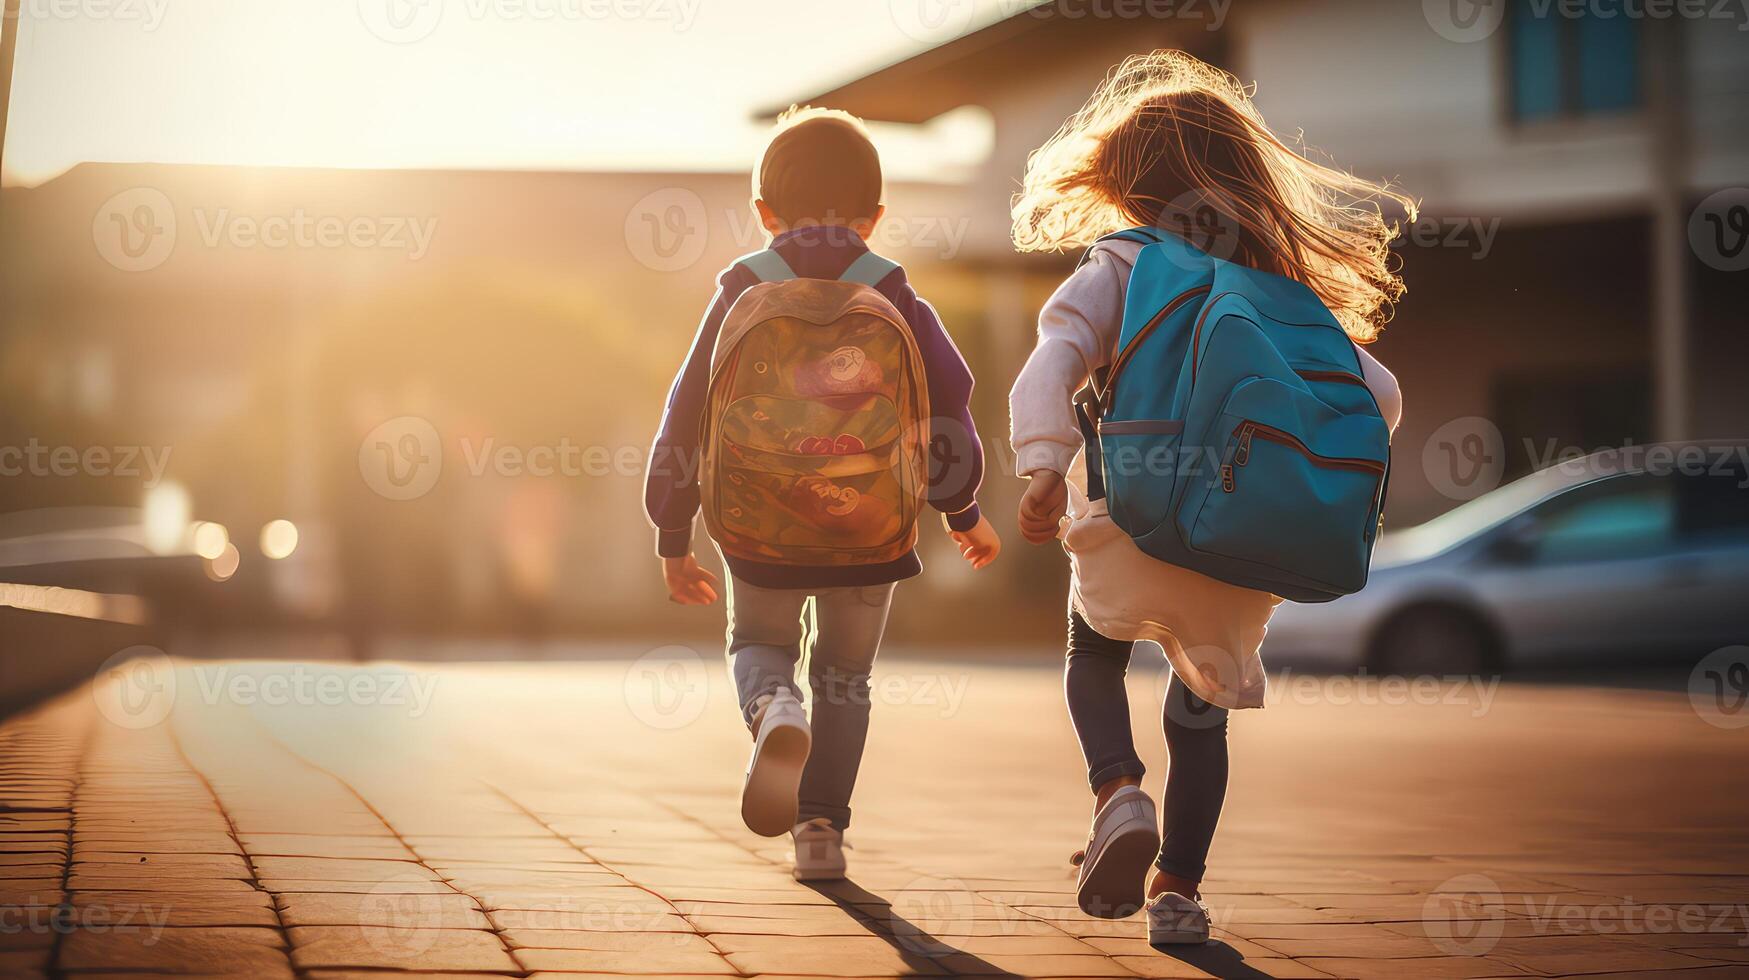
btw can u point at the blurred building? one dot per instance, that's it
(535, 327)
(533, 320)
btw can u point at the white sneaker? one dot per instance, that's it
(1174, 919)
(1121, 846)
(819, 851)
(781, 741)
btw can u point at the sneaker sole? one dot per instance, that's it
(801, 875)
(768, 800)
(1176, 938)
(1115, 883)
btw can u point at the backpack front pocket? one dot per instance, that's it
(824, 510)
(841, 425)
(1141, 461)
(1297, 490)
(812, 481)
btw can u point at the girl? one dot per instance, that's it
(1170, 143)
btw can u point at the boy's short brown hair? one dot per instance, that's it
(819, 167)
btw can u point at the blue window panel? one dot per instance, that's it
(1609, 68)
(1536, 62)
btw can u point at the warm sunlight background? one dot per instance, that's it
(513, 84)
(356, 317)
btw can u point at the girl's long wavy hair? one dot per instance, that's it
(1167, 137)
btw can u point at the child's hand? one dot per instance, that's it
(980, 545)
(1042, 506)
(688, 582)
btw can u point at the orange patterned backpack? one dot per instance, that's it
(816, 421)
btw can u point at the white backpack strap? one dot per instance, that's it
(768, 266)
(868, 269)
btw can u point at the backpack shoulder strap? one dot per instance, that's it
(868, 269)
(1141, 235)
(768, 266)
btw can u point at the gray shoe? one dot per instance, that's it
(819, 851)
(1112, 883)
(1174, 920)
(781, 740)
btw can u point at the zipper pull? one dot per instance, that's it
(1243, 454)
(1227, 477)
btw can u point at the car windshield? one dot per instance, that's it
(1470, 518)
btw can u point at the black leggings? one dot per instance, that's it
(1196, 742)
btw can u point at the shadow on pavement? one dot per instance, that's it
(1217, 959)
(918, 948)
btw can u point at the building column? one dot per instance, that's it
(9, 22)
(1012, 335)
(1667, 91)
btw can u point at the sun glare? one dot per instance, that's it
(560, 84)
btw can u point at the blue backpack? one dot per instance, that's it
(1232, 434)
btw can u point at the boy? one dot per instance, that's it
(817, 191)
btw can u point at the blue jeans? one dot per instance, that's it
(841, 630)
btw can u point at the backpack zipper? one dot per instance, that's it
(1339, 377)
(1242, 454)
(1196, 338)
(1123, 356)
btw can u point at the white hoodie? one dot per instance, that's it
(1211, 631)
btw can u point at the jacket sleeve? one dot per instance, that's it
(1383, 385)
(956, 456)
(1077, 332)
(671, 483)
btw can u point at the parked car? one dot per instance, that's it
(1621, 553)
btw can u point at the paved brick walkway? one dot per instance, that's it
(267, 820)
